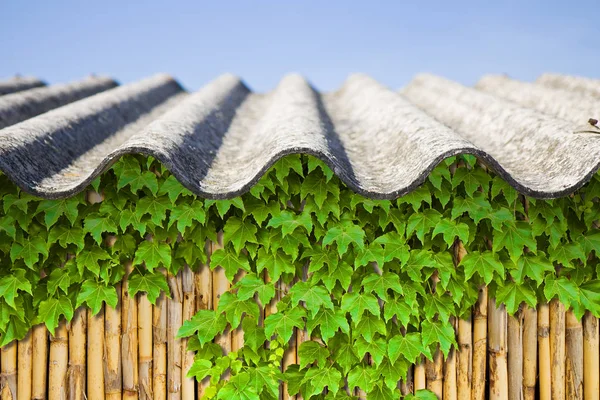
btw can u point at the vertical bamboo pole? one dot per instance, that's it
(24, 375)
(450, 373)
(174, 350)
(204, 290)
(591, 358)
(112, 350)
(40, 362)
(407, 387)
(159, 353)
(145, 346)
(574, 357)
(465, 358)
(189, 308)
(220, 286)
(479, 345)
(515, 356)
(8, 366)
(434, 374)
(544, 358)
(129, 341)
(419, 375)
(58, 364)
(530, 327)
(77, 347)
(557, 349)
(498, 371)
(95, 358)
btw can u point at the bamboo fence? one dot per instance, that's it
(132, 352)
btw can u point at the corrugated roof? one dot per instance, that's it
(219, 140)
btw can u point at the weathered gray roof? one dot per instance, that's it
(219, 140)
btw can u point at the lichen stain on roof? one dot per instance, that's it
(218, 141)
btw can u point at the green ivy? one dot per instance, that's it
(373, 282)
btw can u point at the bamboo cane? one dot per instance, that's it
(58, 363)
(112, 350)
(220, 286)
(591, 358)
(498, 372)
(419, 375)
(557, 349)
(77, 351)
(529, 352)
(189, 307)
(95, 358)
(175, 352)
(515, 356)
(406, 386)
(465, 358)
(8, 365)
(545, 370)
(479, 345)
(129, 341)
(450, 390)
(434, 374)
(40, 362)
(574, 357)
(159, 352)
(145, 346)
(24, 374)
(204, 290)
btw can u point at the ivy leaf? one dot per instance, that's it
(343, 234)
(206, 323)
(368, 326)
(438, 332)
(500, 217)
(254, 335)
(321, 378)
(499, 185)
(59, 278)
(289, 222)
(230, 262)
(7, 224)
(239, 233)
(185, 215)
(399, 308)
(533, 267)
(275, 263)
(151, 283)
(200, 369)
(472, 179)
(51, 309)
(234, 309)
(283, 323)
(394, 247)
(561, 287)
(156, 207)
(314, 296)
(310, 352)
(374, 252)
(54, 209)
(409, 346)
(484, 264)
(29, 250)
(129, 172)
(376, 348)
(173, 189)
(514, 237)
(362, 377)
(94, 294)
(96, 224)
(590, 242)
(251, 284)
(356, 303)
(422, 223)
(380, 284)
(317, 185)
(11, 284)
(128, 217)
(67, 235)
(329, 322)
(565, 253)
(589, 296)
(154, 254)
(477, 207)
(239, 387)
(512, 295)
(451, 230)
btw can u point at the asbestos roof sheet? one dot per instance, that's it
(218, 141)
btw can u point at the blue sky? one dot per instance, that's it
(325, 41)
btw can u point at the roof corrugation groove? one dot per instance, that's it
(18, 84)
(219, 140)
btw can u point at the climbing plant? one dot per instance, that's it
(373, 283)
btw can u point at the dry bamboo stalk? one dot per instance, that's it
(129, 341)
(77, 351)
(8, 365)
(557, 349)
(515, 356)
(434, 374)
(24, 375)
(479, 345)
(40, 362)
(498, 372)
(419, 380)
(220, 286)
(544, 358)
(406, 387)
(175, 352)
(159, 352)
(189, 307)
(112, 350)
(529, 352)
(145, 346)
(465, 358)
(574, 357)
(450, 365)
(58, 363)
(204, 289)
(95, 356)
(591, 358)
